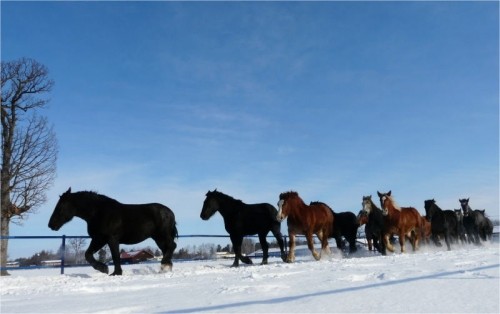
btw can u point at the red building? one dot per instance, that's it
(135, 257)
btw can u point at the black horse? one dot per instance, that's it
(110, 222)
(460, 226)
(476, 224)
(375, 224)
(345, 225)
(242, 219)
(443, 222)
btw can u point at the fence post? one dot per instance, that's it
(63, 253)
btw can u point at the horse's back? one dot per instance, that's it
(318, 216)
(134, 223)
(253, 219)
(345, 221)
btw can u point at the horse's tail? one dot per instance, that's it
(174, 232)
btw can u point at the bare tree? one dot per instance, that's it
(29, 145)
(77, 245)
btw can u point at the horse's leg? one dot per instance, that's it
(402, 239)
(325, 248)
(310, 245)
(352, 244)
(370, 246)
(291, 253)
(387, 242)
(447, 239)
(279, 238)
(265, 247)
(96, 245)
(237, 240)
(338, 242)
(114, 247)
(381, 246)
(167, 246)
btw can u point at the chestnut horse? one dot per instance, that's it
(403, 221)
(305, 219)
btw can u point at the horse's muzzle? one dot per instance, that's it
(54, 228)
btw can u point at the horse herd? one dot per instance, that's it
(112, 223)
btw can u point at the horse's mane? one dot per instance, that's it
(394, 203)
(320, 203)
(94, 196)
(227, 197)
(289, 194)
(293, 195)
(432, 202)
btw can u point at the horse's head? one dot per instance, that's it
(63, 212)
(429, 209)
(210, 205)
(464, 203)
(284, 204)
(362, 217)
(367, 204)
(385, 198)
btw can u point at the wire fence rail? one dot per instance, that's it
(63, 238)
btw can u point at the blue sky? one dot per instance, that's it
(163, 101)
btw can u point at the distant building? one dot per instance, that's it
(135, 257)
(222, 255)
(54, 262)
(12, 264)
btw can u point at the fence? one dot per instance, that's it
(64, 237)
(63, 246)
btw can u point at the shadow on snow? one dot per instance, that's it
(322, 293)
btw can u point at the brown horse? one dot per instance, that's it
(362, 220)
(305, 219)
(403, 221)
(426, 230)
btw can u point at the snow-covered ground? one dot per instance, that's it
(432, 280)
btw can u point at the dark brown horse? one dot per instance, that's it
(374, 229)
(307, 220)
(403, 221)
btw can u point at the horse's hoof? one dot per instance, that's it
(102, 268)
(116, 273)
(165, 268)
(264, 262)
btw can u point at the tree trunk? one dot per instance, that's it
(4, 244)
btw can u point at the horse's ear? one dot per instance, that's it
(69, 190)
(379, 194)
(468, 199)
(389, 193)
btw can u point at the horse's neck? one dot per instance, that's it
(437, 209)
(298, 207)
(393, 211)
(227, 206)
(468, 210)
(375, 208)
(84, 212)
(85, 209)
